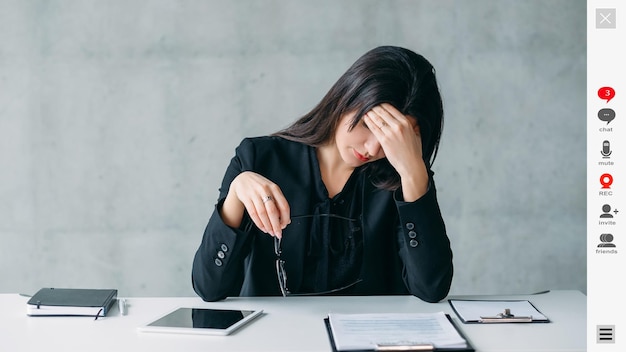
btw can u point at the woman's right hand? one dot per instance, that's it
(263, 199)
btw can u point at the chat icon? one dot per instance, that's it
(606, 93)
(606, 115)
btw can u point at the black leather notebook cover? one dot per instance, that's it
(72, 298)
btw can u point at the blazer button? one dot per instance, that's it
(221, 255)
(410, 226)
(218, 262)
(413, 243)
(224, 247)
(412, 234)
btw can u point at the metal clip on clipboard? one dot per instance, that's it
(404, 347)
(506, 317)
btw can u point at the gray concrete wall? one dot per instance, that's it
(118, 118)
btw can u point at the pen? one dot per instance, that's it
(121, 303)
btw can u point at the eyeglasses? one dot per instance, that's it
(281, 273)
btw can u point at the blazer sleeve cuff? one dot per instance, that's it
(398, 196)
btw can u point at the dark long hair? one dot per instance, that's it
(386, 74)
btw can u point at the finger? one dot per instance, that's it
(385, 122)
(397, 121)
(391, 111)
(374, 122)
(258, 214)
(283, 208)
(390, 116)
(373, 127)
(273, 216)
(277, 210)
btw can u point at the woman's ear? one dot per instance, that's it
(416, 129)
(416, 125)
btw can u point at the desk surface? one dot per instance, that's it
(288, 324)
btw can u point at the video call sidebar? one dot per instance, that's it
(606, 240)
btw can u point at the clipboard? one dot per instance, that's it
(496, 311)
(390, 347)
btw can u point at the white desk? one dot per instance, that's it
(288, 324)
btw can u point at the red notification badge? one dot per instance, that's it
(606, 93)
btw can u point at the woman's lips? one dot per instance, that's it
(360, 156)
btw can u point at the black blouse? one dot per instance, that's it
(335, 247)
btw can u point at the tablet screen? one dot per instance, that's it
(201, 320)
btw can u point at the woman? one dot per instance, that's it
(341, 202)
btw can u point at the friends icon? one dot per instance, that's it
(607, 241)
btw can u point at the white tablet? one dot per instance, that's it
(203, 321)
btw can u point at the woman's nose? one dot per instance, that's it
(374, 149)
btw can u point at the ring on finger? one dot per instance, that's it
(266, 199)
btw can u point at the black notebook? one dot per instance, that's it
(71, 301)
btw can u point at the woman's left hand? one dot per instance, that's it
(399, 136)
(400, 139)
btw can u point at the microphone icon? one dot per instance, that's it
(606, 149)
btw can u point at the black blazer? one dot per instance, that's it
(405, 246)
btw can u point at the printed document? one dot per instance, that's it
(367, 331)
